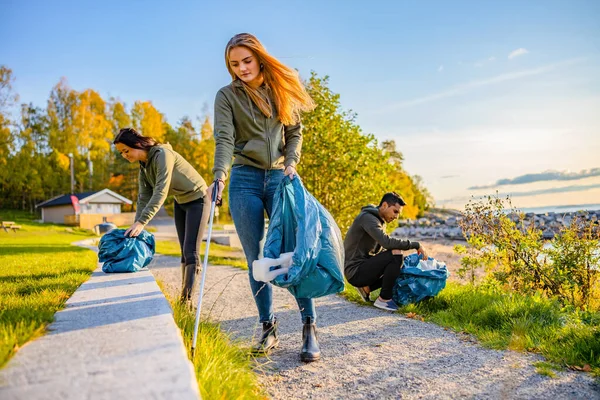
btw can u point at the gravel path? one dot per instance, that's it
(372, 354)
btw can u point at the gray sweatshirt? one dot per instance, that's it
(366, 238)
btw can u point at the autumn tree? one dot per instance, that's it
(7, 100)
(148, 120)
(342, 167)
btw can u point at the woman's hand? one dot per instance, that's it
(421, 251)
(291, 171)
(219, 192)
(134, 230)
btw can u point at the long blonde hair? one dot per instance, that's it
(291, 97)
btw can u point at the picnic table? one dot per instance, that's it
(6, 225)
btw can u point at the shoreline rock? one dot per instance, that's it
(445, 225)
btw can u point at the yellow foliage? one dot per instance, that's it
(63, 160)
(148, 120)
(116, 180)
(90, 124)
(206, 132)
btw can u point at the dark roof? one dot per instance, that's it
(64, 199)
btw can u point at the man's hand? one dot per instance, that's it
(291, 171)
(421, 251)
(134, 230)
(397, 252)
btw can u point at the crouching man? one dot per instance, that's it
(374, 259)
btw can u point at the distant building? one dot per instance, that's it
(67, 209)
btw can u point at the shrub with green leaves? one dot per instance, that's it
(510, 248)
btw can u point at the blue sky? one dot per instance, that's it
(473, 92)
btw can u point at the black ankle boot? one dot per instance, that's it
(188, 274)
(310, 345)
(268, 340)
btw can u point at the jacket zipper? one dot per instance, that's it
(145, 175)
(267, 134)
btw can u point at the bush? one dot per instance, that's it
(511, 249)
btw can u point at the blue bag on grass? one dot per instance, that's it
(125, 254)
(419, 279)
(300, 224)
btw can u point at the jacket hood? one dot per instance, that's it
(372, 209)
(155, 149)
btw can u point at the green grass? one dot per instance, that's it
(546, 368)
(224, 368)
(39, 270)
(218, 254)
(511, 321)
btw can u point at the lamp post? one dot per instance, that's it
(72, 173)
(90, 168)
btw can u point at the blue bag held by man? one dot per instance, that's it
(121, 253)
(419, 279)
(300, 224)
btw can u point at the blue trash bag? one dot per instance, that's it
(299, 223)
(125, 254)
(419, 280)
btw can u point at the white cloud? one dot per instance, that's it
(550, 175)
(492, 59)
(526, 193)
(441, 68)
(466, 87)
(518, 52)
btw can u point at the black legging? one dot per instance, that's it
(190, 222)
(380, 271)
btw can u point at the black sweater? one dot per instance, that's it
(366, 237)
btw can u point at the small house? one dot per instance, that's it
(86, 209)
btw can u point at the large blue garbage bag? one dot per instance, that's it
(125, 254)
(419, 280)
(299, 223)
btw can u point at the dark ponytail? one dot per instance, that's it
(132, 138)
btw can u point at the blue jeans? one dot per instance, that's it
(251, 193)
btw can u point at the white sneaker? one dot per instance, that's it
(386, 305)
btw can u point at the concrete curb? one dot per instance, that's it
(115, 339)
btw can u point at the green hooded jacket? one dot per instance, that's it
(165, 173)
(242, 131)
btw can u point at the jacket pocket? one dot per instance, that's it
(256, 150)
(239, 148)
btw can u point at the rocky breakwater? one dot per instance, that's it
(435, 224)
(444, 224)
(551, 223)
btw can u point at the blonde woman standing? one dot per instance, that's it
(257, 122)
